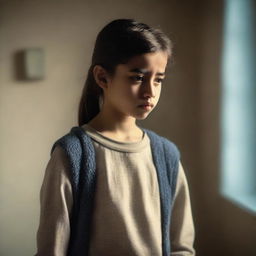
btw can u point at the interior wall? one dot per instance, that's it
(226, 228)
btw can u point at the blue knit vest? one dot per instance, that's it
(81, 154)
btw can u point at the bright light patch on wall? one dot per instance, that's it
(238, 117)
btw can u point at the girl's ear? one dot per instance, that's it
(100, 76)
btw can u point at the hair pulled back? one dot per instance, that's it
(115, 44)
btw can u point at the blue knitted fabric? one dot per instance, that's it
(80, 151)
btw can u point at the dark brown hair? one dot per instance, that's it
(115, 44)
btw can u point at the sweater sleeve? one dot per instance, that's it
(55, 207)
(182, 231)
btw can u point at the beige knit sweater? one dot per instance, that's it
(126, 217)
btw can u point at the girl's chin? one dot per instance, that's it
(142, 116)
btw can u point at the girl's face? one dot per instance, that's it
(135, 88)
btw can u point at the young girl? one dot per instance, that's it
(111, 187)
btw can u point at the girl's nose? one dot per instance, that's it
(149, 89)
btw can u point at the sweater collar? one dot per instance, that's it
(117, 145)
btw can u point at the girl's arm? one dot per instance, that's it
(182, 227)
(56, 204)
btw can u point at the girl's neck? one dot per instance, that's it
(122, 129)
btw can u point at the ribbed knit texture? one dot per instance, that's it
(80, 151)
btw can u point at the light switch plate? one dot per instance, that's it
(34, 63)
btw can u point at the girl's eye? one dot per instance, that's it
(159, 80)
(137, 78)
(140, 79)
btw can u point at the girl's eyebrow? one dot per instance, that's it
(144, 71)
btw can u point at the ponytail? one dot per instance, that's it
(89, 103)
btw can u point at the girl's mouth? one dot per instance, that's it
(146, 107)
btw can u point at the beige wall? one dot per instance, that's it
(225, 228)
(34, 114)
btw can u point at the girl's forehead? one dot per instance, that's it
(146, 62)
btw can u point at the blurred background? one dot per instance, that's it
(207, 107)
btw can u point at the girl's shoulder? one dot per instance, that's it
(73, 141)
(162, 144)
(160, 139)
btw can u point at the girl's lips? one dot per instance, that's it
(146, 107)
(146, 104)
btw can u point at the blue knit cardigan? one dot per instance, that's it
(80, 151)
